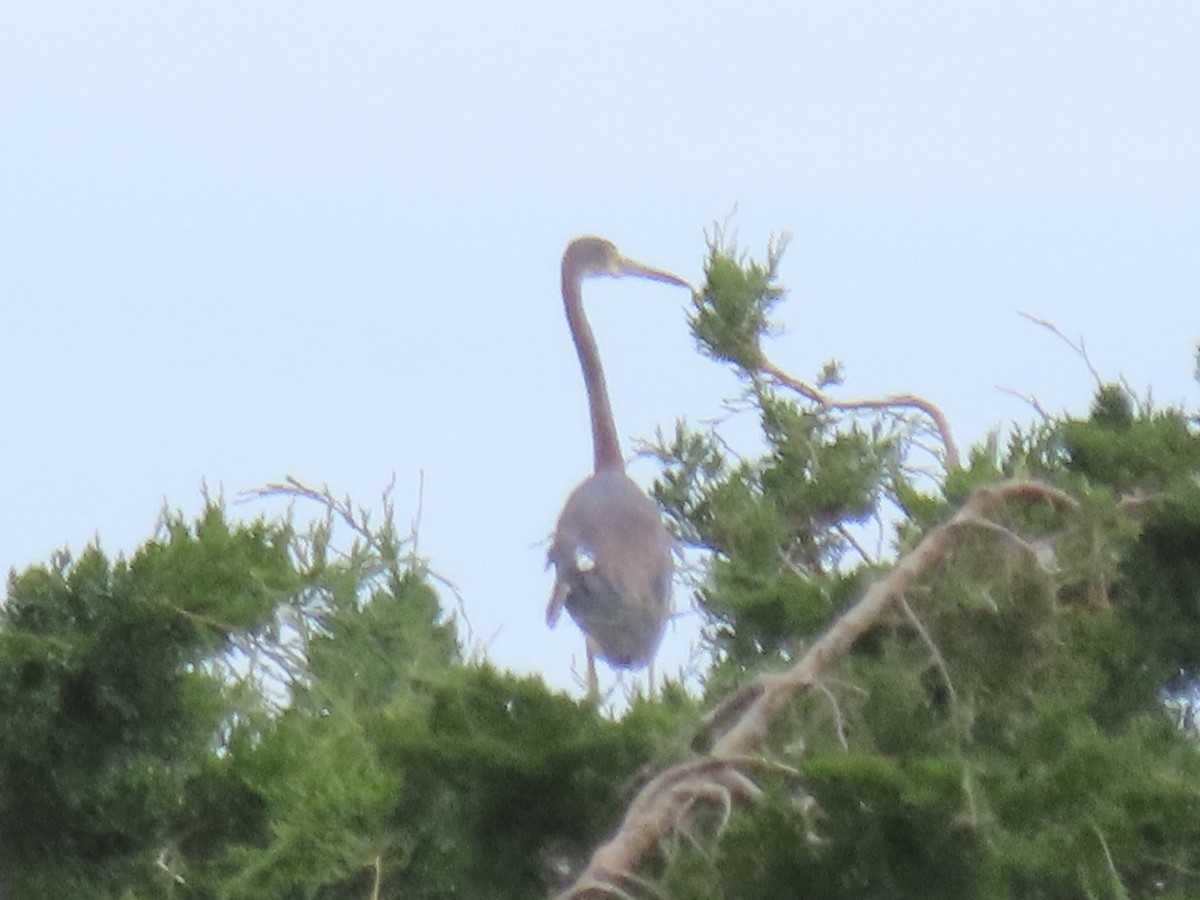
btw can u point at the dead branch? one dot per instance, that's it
(1030, 401)
(938, 660)
(1080, 348)
(891, 402)
(737, 728)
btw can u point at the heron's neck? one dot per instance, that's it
(604, 430)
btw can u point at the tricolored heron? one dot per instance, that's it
(611, 552)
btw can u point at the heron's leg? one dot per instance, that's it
(593, 682)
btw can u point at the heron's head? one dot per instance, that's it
(589, 256)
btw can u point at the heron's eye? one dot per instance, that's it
(584, 560)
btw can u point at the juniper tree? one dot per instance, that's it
(260, 709)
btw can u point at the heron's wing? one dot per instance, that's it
(570, 558)
(625, 627)
(558, 599)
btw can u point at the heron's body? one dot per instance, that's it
(611, 552)
(612, 558)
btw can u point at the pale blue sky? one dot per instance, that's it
(240, 241)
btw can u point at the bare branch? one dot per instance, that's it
(849, 538)
(889, 403)
(1079, 348)
(1029, 400)
(838, 721)
(938, 659)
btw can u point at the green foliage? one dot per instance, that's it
(471, 782)
(1150, 452)
(517, 775)
(1153, 458)
(107, 711)
(242, 711)
(729, 318)
(1004, 735)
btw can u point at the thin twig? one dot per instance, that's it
(1029, 400)
(839, 723)
(1080, 348)
(845, 534)
(890, 402)
(938, 659)
(378, 877)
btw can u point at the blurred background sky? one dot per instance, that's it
(244, 241)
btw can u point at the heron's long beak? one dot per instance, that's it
(628, 266)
